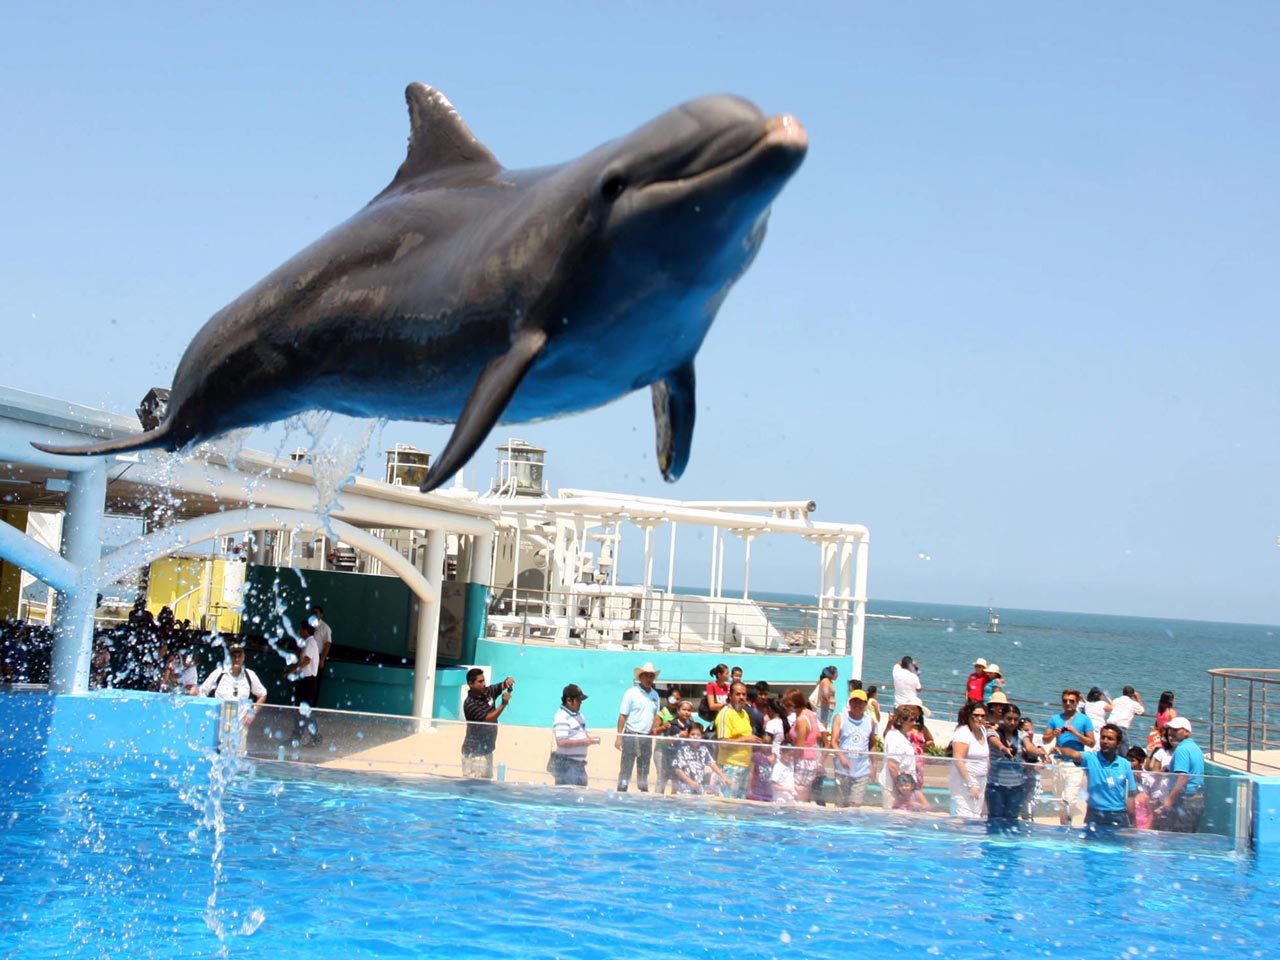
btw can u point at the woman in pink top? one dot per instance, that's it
(807, 759)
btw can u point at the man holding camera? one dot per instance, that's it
(482, 712)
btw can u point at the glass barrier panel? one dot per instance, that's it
(1004, 793)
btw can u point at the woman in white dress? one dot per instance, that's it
(970, 762)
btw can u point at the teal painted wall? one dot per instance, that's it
(541, 673)
(369, 613)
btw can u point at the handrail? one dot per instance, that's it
(1240, 740)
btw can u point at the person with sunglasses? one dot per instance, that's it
(1073, 730)
(971, 757)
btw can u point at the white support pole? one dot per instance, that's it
(671, 560)
(859, 604)
(842, 598)
(826, 579)
(515, 567)
(746, 569)
(82, 548)
(715, 554)
(720, 567)
(424, 662)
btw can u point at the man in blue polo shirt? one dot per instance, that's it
(1073, 730)
(1112, 788)
(1183, 806)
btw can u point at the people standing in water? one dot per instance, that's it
(569, 761)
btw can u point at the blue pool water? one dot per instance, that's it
(140, 864)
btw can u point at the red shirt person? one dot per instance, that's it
(977, 680)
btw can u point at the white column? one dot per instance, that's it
(859, 605)
(842, 599)
(424, 661)
(671, 560)
(82, 548)
(746, 568)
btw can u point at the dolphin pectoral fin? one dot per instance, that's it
(489, 397)
(673, 414)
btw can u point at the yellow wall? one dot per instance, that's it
(196, 588)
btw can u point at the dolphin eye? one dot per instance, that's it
(613, 187)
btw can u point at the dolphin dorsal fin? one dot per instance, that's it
(439, 139)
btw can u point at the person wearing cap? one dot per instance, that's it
(976, 682)
(240, 685)
(569, 761)
(853, 735)
(1183, 806)
(637, 723)
(995, 681)
(235, 682)
(482, 711)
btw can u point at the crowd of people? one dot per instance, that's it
(742, 741)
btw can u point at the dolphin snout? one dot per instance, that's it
(785, 129)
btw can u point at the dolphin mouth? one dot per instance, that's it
(781, 136)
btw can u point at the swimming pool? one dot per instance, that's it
(131, 862)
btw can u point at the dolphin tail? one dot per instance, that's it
(489, 397)
(159, 437)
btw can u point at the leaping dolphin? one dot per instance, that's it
(471, 294)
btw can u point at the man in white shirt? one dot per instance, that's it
(636, 720)
(1125, 707)
(906, 683)
(306, 677)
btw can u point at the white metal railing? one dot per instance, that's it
(1244, 717)
(609, 617)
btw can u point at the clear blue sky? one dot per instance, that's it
(1016, 312)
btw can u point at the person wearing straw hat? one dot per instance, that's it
(995, 682)
(976, 682)
(637, 720)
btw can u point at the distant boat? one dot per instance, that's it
(993, 620)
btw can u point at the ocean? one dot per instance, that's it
(1043, 652)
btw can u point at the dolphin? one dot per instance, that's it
(471, 294)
